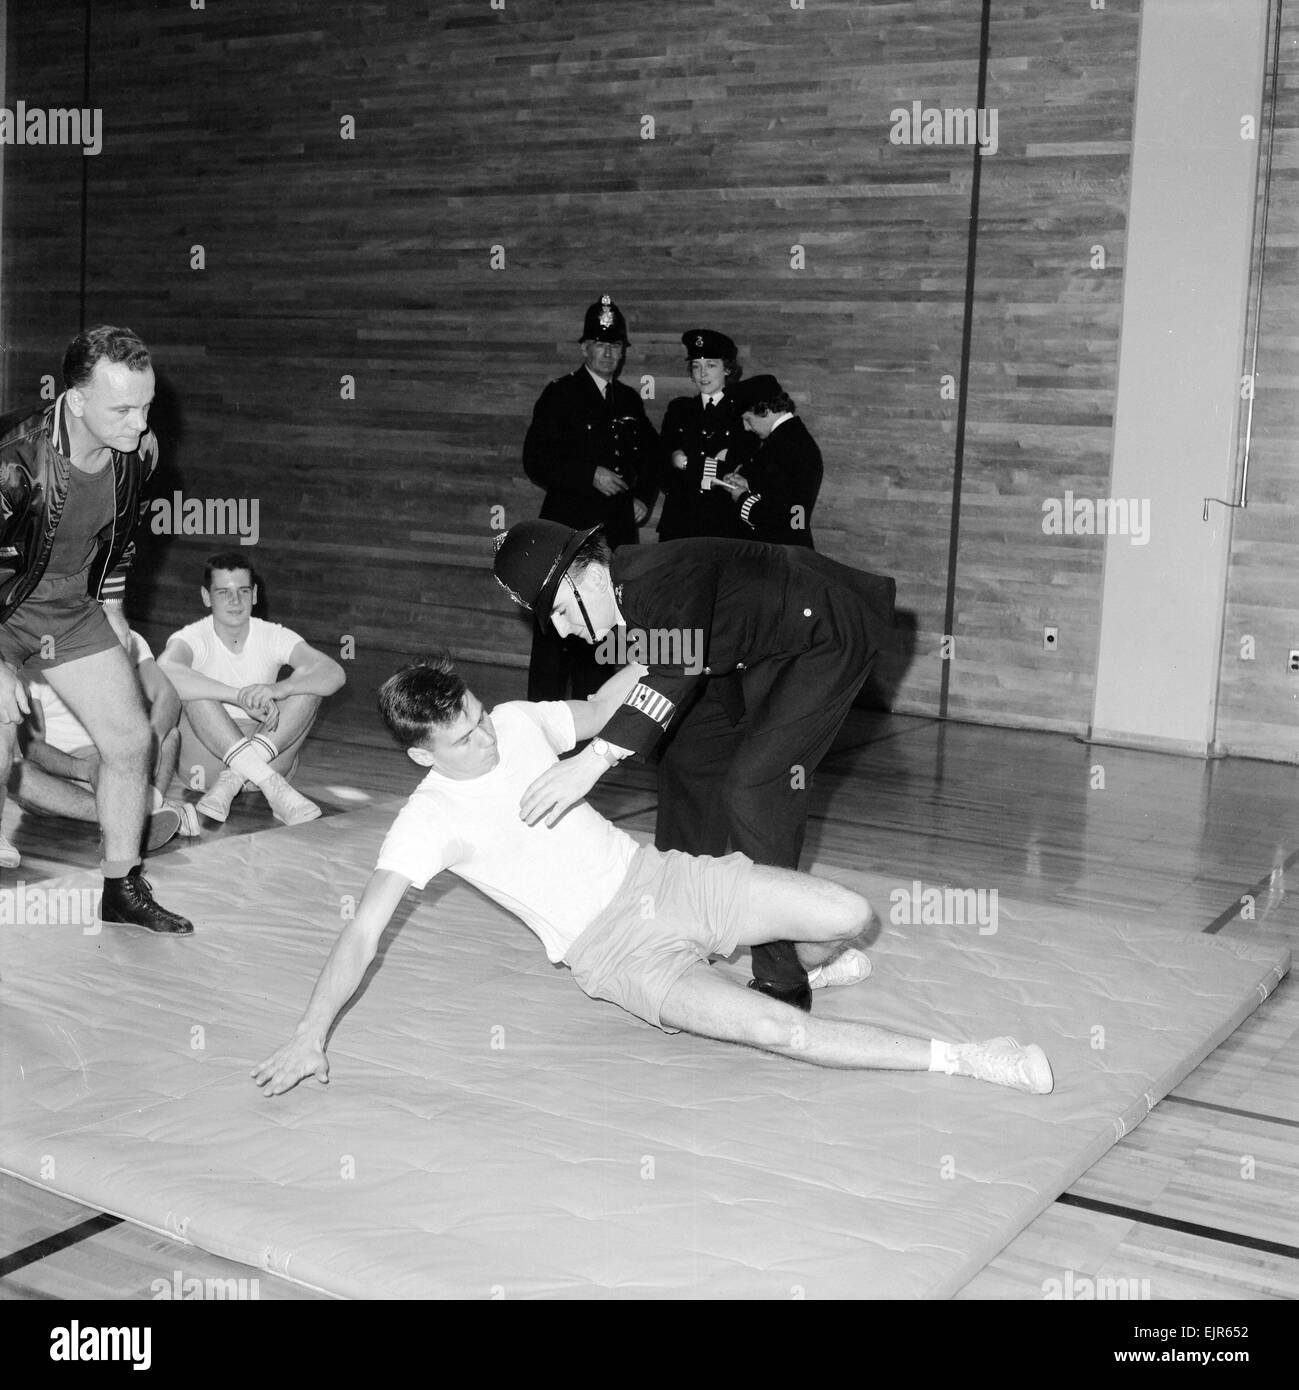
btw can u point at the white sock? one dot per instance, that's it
(244, 760)
(265, 747)
(941, 1057)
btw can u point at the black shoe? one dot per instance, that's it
(129, 900)
(800, 996)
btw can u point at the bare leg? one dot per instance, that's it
(103, 693)
(297, 715)
(819, 915)
(165, 760)
(164, 741)
(37, 790)
(9, 857)
(707, 1003)
(216, 730)
(8, 742)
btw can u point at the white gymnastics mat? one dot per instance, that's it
(491, 1132)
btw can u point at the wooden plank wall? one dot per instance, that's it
(1258, 697)
(522, 126)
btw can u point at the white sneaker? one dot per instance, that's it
(9, 856)
(287, 803)
(1003, 1062)
(160, 826)
(189, 826)
(849, 967)
(216, 804)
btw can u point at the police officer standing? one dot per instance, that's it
(594, 451)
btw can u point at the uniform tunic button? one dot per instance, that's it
(740, 666)
(807, 612)
(708, 670)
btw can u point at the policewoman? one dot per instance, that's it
(703, 437)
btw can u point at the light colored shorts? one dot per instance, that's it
(672, 911)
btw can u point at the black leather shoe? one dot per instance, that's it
(130, 901)
(800, 996)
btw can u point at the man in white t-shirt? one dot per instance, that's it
(242, 722)
(583, 886)
(59, 771)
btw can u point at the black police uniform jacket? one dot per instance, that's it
(574, 430)
(689, 508)
(784, 478)
(750, 604)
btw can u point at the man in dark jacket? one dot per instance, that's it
(802, 632)
(775, 490)
(72, 490)
(596, 454)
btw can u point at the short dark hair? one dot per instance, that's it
(227, 560)
(594, 550)
(779, 404)
(102, 344)
(427, 694)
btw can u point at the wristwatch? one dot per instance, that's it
(602, 750)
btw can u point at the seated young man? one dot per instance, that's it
(59, 771)
(240, 723)
(582, 886)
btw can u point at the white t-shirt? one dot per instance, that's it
(557, 880)
(266, 649)
(63, 730)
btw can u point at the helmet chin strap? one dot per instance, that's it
(586, 617)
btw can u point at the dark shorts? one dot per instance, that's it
(58, 623)
(672, 911)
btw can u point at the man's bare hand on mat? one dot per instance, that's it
(282, 1071)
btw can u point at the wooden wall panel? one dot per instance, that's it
(40, 259)
(523, 128)
(1258, 698)
(1044, 359)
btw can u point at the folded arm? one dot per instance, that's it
(313, 673)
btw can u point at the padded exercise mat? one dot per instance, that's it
(490, 1131)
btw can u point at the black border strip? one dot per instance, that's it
(1229, 914)
(51, 1245)
(1172, 1223)
(967, 332)
(1233, 1110)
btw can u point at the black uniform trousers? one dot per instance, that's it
(748, 784)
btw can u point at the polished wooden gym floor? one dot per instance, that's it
(1202, 1200)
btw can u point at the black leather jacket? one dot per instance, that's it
(34, 473)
